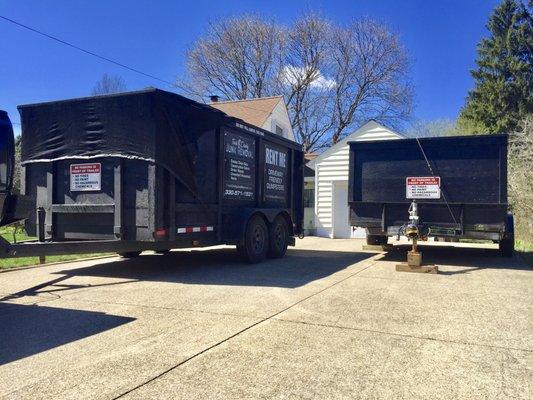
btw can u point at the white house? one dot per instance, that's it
(269, 113)
(331, 183)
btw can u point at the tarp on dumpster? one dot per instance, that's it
(152, 125)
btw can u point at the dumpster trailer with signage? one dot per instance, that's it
(152, 170)
(458, 183)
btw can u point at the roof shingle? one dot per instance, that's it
(253, 111)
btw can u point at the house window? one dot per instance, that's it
(309, 198)
(279, 130)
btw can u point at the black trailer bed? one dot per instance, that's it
(473, 185)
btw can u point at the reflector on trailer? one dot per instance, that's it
(193, 229)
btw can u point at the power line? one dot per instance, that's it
(433, 173)
(87, 51)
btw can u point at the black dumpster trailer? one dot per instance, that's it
(459, 184)
(152, 170)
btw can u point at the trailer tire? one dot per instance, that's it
(506, 245)
(255, 246)
(376, 240)
(278, 237)
(130, 254)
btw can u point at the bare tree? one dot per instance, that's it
(308, 93)
(238, 58)
(331, 77)
(520, 178)
(370, 70)
(109, 84)
(17, 170)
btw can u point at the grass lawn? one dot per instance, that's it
(7, 233)
(526, 251)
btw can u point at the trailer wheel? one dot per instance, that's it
(376, 240)
(255, 244)
(278, 238)
(506, 245)
(130, 254)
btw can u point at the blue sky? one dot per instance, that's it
(440, 37)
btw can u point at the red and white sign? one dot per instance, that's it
(85, 177)
(422, 187)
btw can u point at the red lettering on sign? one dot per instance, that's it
(85, 168)
(425, 180)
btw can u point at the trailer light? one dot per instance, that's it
(161, 232)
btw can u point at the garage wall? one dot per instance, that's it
(332, 167)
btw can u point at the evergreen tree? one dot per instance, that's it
(503, 92)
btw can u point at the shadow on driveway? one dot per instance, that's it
(473, 258)
(224, 267)
(30, 329)
(206, 267)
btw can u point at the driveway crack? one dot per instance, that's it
(403, 335)
(240, 332)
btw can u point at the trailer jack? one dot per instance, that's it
(414, 231)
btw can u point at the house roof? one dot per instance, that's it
(310, 156)
(253, 111)
(370, 125)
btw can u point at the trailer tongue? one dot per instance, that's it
(152, 170)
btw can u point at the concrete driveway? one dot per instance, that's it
(328, 321)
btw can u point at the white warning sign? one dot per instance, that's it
(85, 177)
(422, 187)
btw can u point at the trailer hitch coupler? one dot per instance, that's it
(412, 231)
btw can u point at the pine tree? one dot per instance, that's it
(503, 92)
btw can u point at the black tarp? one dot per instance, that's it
(152, 125)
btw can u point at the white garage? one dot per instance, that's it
(331, 216)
